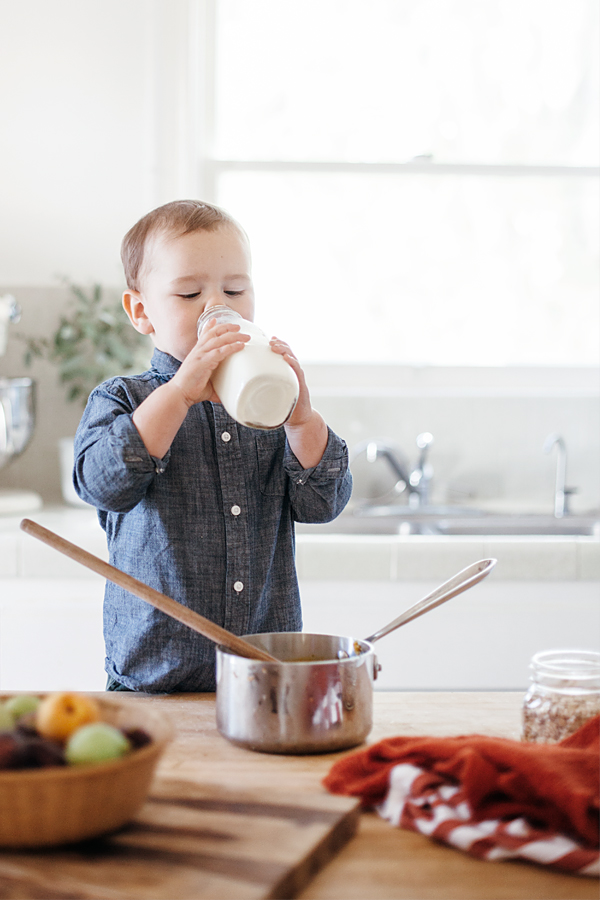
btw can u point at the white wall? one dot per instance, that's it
(93, 111)
(98, 125)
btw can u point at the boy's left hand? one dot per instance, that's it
(303, 409)
(306, 430)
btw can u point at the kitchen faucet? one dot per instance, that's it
(561, 493)
(417, 481)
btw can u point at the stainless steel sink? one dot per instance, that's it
(521, 524)
(446, 520)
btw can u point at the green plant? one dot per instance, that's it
(94, 341)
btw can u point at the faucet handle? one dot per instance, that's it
(567, 492)
(424, 440)
(422, 474)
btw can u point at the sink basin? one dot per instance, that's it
(452, 521)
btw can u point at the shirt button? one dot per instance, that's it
(235, 510)
(225, 436)
(238, 586)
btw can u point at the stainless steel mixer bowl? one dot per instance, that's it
(17, 416)
(309, 702)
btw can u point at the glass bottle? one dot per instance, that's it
(564, 693)
(256, 385)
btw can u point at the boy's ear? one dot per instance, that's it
(133, 305)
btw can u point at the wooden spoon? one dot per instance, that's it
(166, 604)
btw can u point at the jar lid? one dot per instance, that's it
(562, 668)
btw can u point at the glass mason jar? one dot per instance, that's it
(256, 386)
(564, 693)
(221, 314)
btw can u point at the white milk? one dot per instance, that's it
(256, 386)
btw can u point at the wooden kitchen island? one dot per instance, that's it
(376, 862)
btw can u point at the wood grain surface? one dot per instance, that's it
(378, 863)
(193, 842)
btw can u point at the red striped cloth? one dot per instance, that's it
(491, 797)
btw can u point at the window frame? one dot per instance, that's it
(201, 45)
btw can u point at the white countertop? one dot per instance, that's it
(329, 556)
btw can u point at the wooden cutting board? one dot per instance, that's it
(193, 842)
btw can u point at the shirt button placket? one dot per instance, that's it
(238, 586)
(237, 564)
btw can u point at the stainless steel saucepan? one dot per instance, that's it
(287, 692)
(318, 697)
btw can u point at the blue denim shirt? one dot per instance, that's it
(211, 525)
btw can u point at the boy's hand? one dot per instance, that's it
(216, 343)
(159, 417)
(303, 409)
(305, 429)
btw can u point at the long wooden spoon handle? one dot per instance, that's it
(166, 604)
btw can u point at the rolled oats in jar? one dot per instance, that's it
(564, 693)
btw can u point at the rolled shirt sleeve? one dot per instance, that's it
(113, 468)
(320, 494)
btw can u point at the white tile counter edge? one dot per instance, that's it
(328, 557)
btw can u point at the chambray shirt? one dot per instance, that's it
(211, 525)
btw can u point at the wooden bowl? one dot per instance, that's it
(62, 804)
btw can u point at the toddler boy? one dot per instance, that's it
(192, 503)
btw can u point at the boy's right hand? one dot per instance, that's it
(216, 343)
(159, 417)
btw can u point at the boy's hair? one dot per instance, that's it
(176, 218)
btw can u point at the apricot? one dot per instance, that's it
(60, 714)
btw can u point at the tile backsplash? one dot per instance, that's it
(488, 425)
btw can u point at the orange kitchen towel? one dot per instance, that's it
(492, 797)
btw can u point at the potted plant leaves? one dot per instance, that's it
(92, 342)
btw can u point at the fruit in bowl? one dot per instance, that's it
(73, 766)
(62, 729)
(58, 715)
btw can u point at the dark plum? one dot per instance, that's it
(137, 737)
(10, 750)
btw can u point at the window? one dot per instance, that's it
(419, 178)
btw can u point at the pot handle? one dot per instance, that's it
(464, 580)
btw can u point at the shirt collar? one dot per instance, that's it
(164, 363)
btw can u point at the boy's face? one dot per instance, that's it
(185, 275)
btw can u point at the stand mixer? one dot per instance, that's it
(17, 417)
